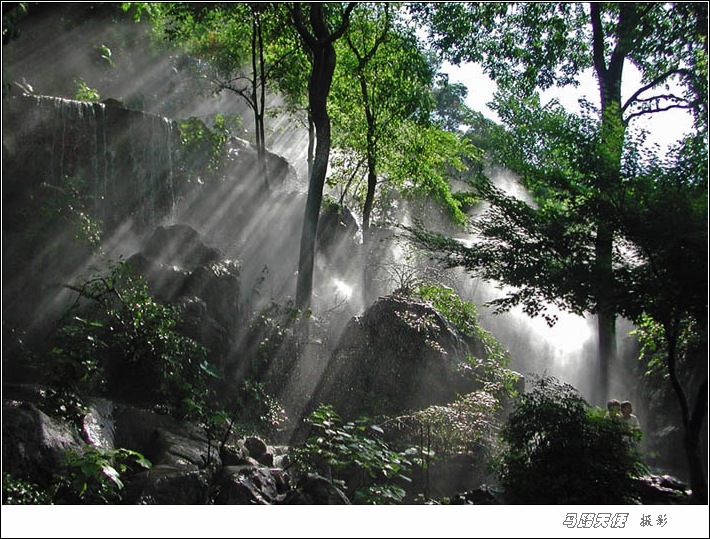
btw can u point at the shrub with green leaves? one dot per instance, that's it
(18, 491)
(93, 476)
(117, 337)
(467, 424)
(559, 450)
(489, 366)
(353, 456)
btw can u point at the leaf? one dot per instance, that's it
(110, 472)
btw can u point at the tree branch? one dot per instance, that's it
(655, 82)
(597, 39)
(657, 109)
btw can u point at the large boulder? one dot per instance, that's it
(34, 444)
(313, 489)
(163, 439)
(169, 485)
(399, 355)
(251, 485)
(179, 245)
(180, 268)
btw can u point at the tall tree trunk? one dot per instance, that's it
(319, 86)
(259, 94)
(320, 43)
(263, 163)
(606, 313)
(692, 421)
(311, 143)
(612, 140)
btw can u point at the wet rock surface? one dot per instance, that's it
(399, 355)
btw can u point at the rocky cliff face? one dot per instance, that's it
(85, 182)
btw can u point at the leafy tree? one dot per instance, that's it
(240, 47)
(531, 46)
(558, 450)
(546, 250)
(667, 289)
(383, 71)
(318, 39)
(586, 245)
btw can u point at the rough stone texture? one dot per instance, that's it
(180, 268)
(98, 428)
(662, 490)
(179, 245)
(483, 495)
(160, 438)
(251, 485)
(336, 234)
(67, 163)
(33, 444)
(315, 490)
(181, 451)
(169, 485)
(256, 446)
(399, 355)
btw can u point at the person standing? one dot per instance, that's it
(628, 416)
(613, 408)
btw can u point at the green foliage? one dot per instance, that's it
(65, 203)
(490, 367)
(114, 326)
(467, 424)
(272, 334)
(353, 456)
(198, 140)
(558, 450)
(93, 476)
(10, 21)
(84, 93)
(104, 56)
(18, 491)
(257, 411)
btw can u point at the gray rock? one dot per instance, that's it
(251, 485)
(34, 444)
(315, 490)
(168, 485)
(98, 427)
(399, 355)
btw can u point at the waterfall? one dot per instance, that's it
(122, 161)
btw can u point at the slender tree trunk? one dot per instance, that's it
(320, 80)
(311, 143)
(258, 95)
(692, 421)
(371, 160)
(263, 163)
(609, 76)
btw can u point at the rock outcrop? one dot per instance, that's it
(399, 355)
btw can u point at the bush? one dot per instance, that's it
(93, 476)
(558, 450)
(353, 457)
(116, 337)
(18, 491)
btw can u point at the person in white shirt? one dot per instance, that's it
(628, 416)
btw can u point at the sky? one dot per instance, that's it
(665, 128)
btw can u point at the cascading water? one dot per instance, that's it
(567, 349)
(74, 170)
